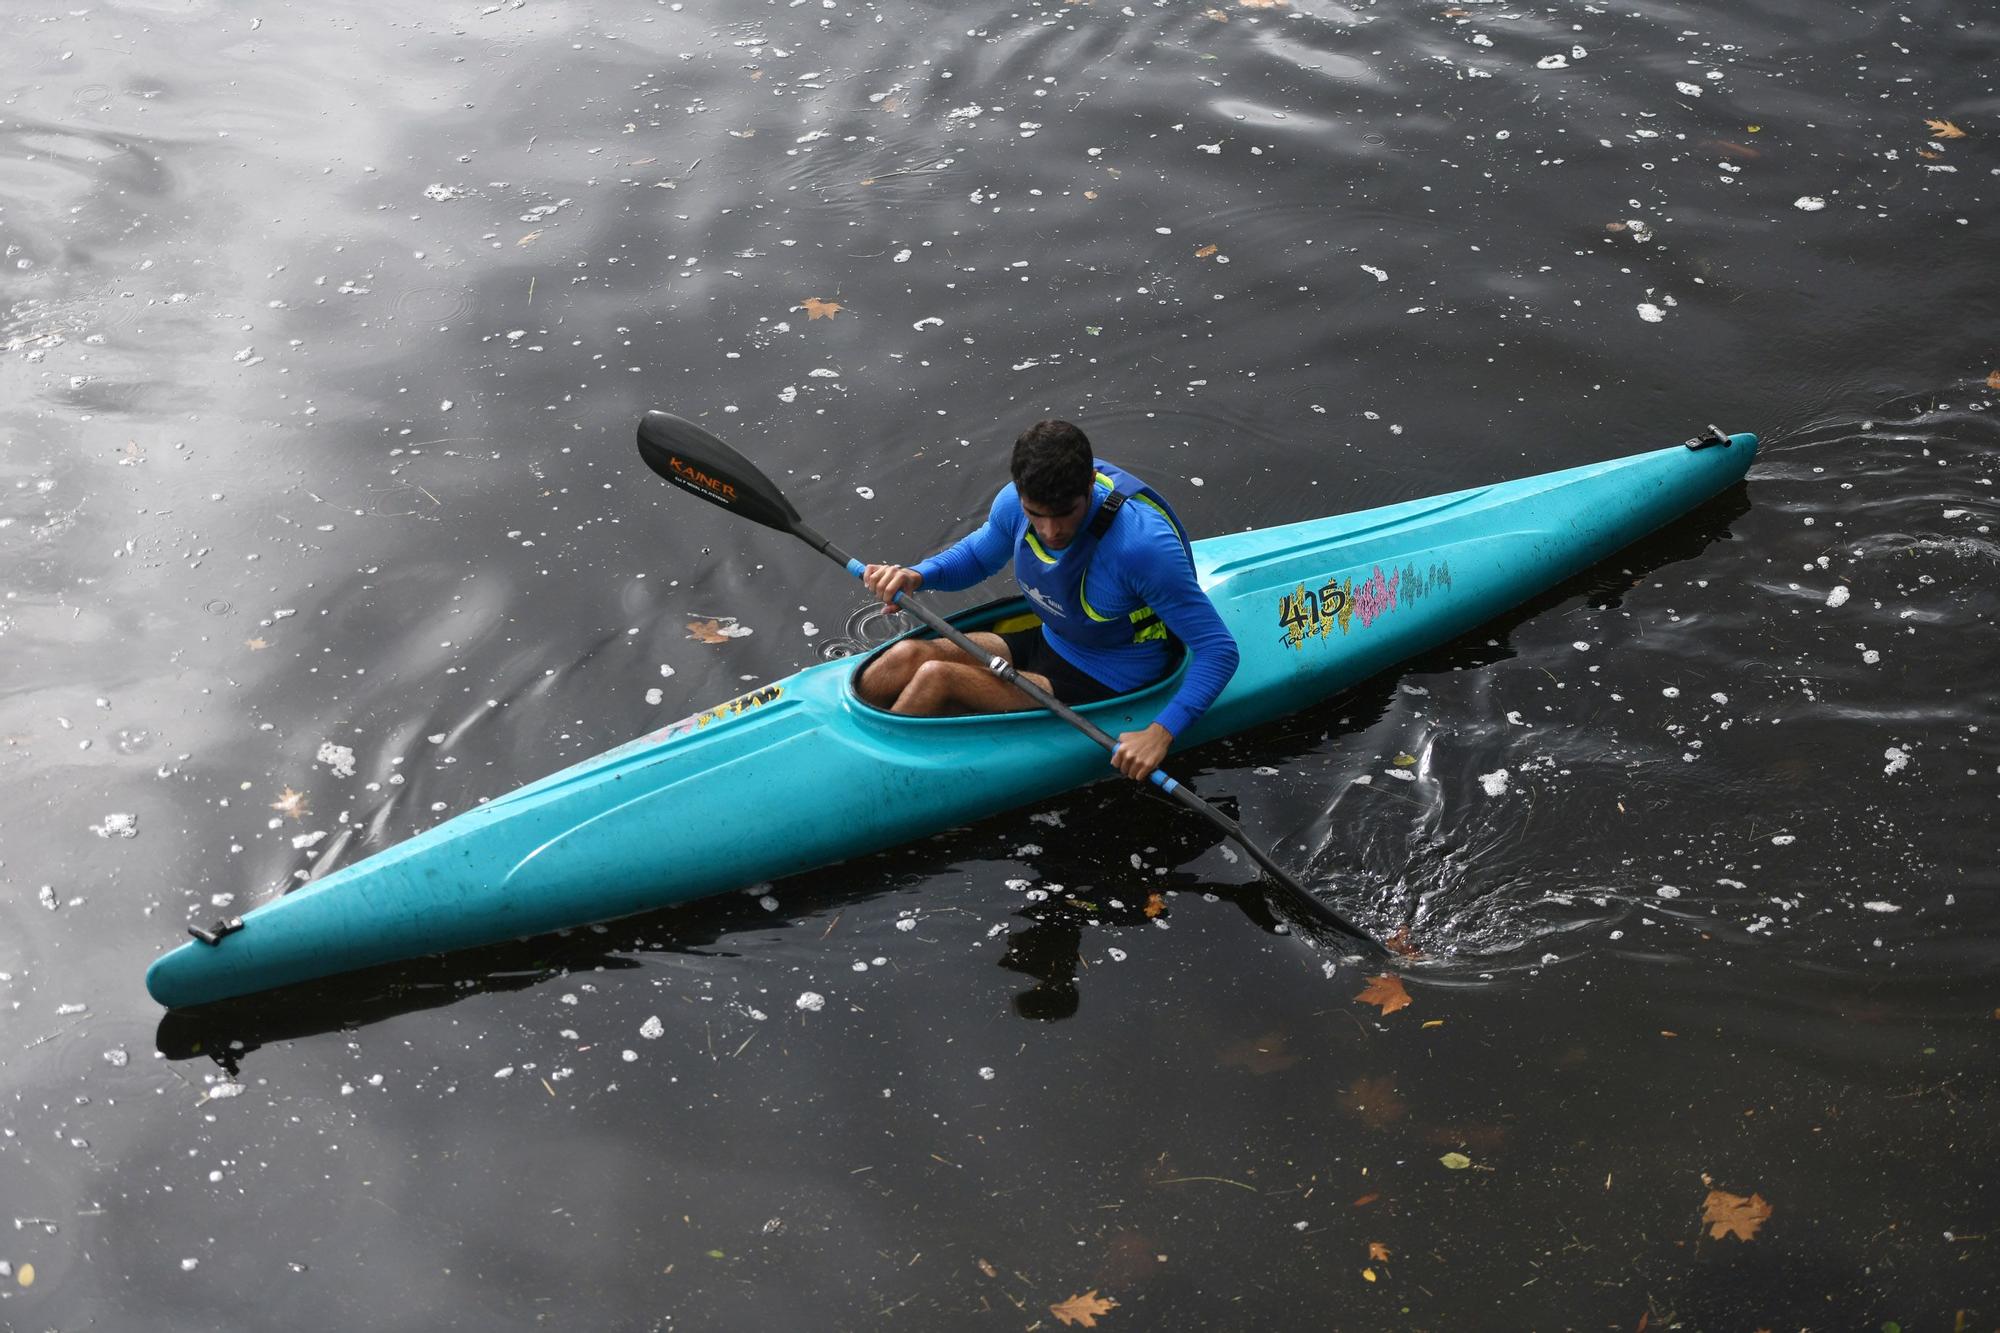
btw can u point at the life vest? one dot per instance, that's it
(1057, 582)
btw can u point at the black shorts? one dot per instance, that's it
(1030, 651)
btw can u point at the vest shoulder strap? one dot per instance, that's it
(1101, 523)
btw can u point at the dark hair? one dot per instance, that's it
(1053, 464)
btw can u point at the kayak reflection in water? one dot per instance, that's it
(1107, 565)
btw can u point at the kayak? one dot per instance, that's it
(800, 772)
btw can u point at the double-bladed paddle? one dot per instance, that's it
(694, 460)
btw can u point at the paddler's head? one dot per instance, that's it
(1053, 472)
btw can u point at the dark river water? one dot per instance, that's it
(323, 333)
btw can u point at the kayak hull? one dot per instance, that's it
(800, 773)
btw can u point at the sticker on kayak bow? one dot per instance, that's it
(741, 704)
(1308, 613)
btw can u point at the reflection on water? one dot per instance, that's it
(321, 340)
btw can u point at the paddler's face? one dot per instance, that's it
(1056, 530)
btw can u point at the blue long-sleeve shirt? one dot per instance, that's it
(1138, 562)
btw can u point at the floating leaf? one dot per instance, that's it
(1944, 129)
(292, 804)
(988, 1269)
(1365, 1200)
(1733, 1215)
(26, 1275)
(1456, 1161)
(1399, 943)
(1083, 1310)
(1263, 4)
(1205, 251)
(1993, 379)
(1367, 1275)
(1373, 1098)
(1260, 1055)
(255, 645)
(1404, 760)
(720, 630)
(1218, 15)
(1155, 904)
(1378, 1251)
(818, 309)
(529, 239)
(1386, 991)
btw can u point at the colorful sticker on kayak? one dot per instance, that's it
(1314, 613)
(741, 704)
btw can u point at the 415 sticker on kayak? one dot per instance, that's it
(1314, 613)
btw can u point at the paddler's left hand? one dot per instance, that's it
(1140, 752)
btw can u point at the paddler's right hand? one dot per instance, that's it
(891, 581)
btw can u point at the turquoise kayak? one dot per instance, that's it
(800, 773)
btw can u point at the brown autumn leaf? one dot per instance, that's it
(708, 631)
(1090, 194)
(1260, 1055)
(988, 1269)
(1399, 943)
(1614, 226)
(1944, 129)
(1928, 155)
(1156, 903)
(1456, 13)
(1732, 148)
(1083, 1310)
(530, 238)
(1206, 251)
(255, 645)
(1220, 16)
(1733, 1215)
(1993, 379)
(292, 803)
(1373, 1098)
(1366, 1199)
(1378, 1251)
(818, 309)
(1263, 4)
(1386, 991)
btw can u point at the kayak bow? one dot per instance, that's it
(1315, 607)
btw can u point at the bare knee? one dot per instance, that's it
(931, 689)
(883, 679)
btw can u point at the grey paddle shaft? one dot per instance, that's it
(1001, 667)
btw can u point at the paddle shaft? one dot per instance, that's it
(1004, 669)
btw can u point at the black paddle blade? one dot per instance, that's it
(702, 465)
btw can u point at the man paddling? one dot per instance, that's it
(1108, 567)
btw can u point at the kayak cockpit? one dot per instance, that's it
(1006, 616)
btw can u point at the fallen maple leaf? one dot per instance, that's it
(1399, 943)
(1944, 129)
(1378, 1251)
(1155, 904)
(1205, 251)
(291, 803)
(1993, 379)
(255, 645)
(1733, 1215)
(818, 309)
(1386, 991)
(1083, 1310)
(708, 631)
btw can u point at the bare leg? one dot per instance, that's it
(888, 675)
(942, 688)
(937, 678)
